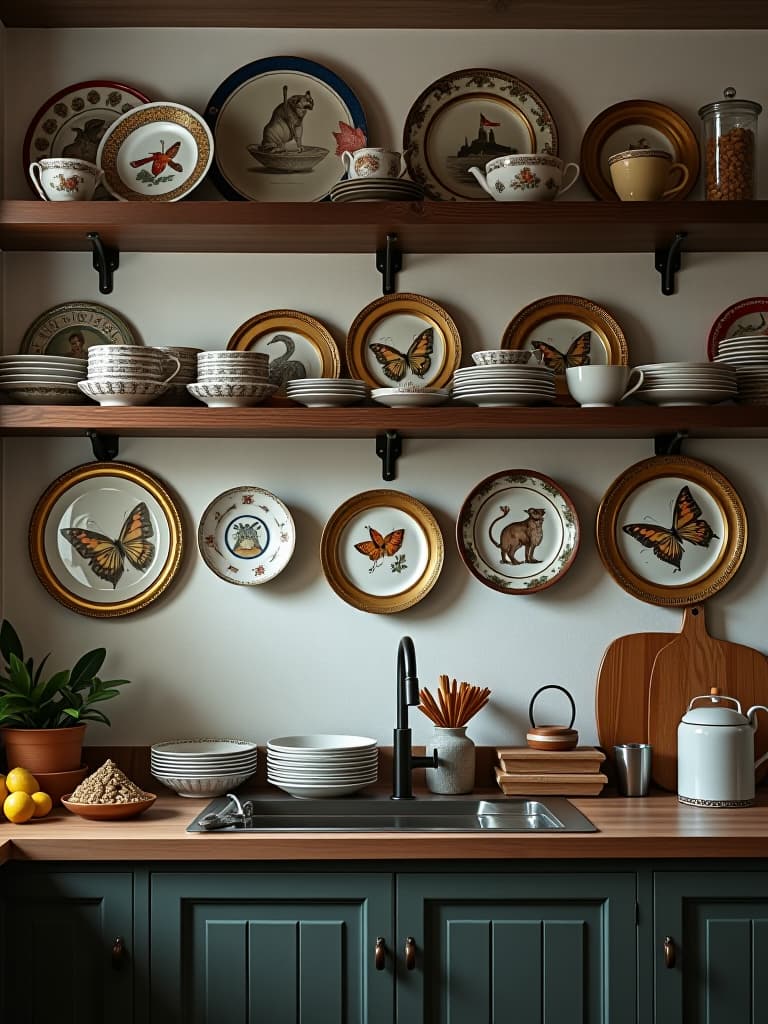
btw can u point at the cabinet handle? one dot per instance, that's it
(118, 953)
(410, 953)
(670, 953)
(380, 954)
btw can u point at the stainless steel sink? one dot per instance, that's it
(380, 814)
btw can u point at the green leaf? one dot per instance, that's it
(92, 715)
(44, 691)
(20, 677)
(40, 669)
(87, 667)
(72, 712)
(102, 695)
(9, 642)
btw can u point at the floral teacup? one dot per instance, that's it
(61, 179)
(524, 177)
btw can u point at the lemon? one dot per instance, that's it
(18, 807)
(3, 788)
(42, 802)
(19, 780)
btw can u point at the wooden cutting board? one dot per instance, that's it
(687, 668)
(621, 694)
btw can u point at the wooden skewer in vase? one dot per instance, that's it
(455, 703)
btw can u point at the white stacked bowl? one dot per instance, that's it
(205, 767)
(321, 765)
(233, 378)
(128, 374)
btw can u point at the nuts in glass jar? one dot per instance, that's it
(730, 163)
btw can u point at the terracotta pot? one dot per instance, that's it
(44, 750)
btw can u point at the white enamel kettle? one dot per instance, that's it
(716, 752)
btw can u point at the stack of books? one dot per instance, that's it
(522, 771)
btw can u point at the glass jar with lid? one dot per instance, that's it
(730, 146)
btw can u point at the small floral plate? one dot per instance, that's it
(246, 536)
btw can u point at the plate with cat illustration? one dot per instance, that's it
(280, 126)
(518, 532)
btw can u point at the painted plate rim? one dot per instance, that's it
(126, 338)
(725, 319)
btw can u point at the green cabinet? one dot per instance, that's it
(533, 948)
(67, 941)
(711, 947)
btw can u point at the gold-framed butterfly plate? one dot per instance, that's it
(671, 530)
(106, 539)
(70, 328)
(403, 339)
(382, 551)
(518, 532)
(567, 330)
(246, 536)
(297, 344)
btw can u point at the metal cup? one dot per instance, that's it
(633, 768)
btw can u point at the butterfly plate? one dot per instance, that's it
(105, 539)
(671, 530)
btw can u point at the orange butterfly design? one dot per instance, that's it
(161, 160)
(686, 526)
(577, 354)
(417, 359)
(105, 556)
(379, 546)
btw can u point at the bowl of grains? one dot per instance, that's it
(106, 795)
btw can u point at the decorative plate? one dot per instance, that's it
(157, 153)
(745, 317)
(70, 329)
(567, 331)
(73, 121)
(382, 551)
(671, 530)
(466, 119)
(518, 532)
(105, 539)
(246, 536)
(280, 126)
(298, 346)
(403, 339)
(636, 124)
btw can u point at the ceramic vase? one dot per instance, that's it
(455, 772)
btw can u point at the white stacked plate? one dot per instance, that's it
(377, 190)
(753, 384)
(750, 351)
(320, 392)
(410, 396)
(203, 768)
(687, 384)
(232, 379)
(29, 379)
(505, 385)
(324, 765)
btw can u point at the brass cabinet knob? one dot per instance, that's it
(380, 954)
(410, 953)
(670, 952)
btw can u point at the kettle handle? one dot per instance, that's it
(757, 707)
(718, 700)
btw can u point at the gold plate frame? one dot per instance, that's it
(331, 554)
(681, 138)
(406, 303)
(532, 317)
(138, 486)
(726, 518)
(249, 334)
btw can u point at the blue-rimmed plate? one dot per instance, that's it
(280, 125)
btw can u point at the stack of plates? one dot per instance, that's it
(376, 190)
(409, 396)
(41, 379)
(232, 379)
(748, 355)
(319, 392)
(505, 385)
(203, 767)
(321, 766)
(686, 384)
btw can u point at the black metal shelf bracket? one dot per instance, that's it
(669, 444)
(667, 262)
(389, 448)
(106, 260)
(106, 447)
(389, 263)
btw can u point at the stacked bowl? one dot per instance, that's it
(501, 384)
(319, 766)
(686, 384)
(322, 392)
(128, 374)
(232, 379)
(207, 767)
(41, 379)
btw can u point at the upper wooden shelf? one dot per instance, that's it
(475, 227)
(431, 14)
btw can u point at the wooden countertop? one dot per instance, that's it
(655, 827)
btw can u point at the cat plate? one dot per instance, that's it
(280, 125)
(518, 532)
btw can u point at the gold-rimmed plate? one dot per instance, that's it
(637, 124)
(671, 530)
(105, 539)
(298, 346)
(403, 339)
(382, 551)
(567, 330)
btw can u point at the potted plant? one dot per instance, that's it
(43, 720)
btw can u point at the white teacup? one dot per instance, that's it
(372, 162)
(62, 180)
(602, 385)
(525, 177)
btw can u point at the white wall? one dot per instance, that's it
(212, 659)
